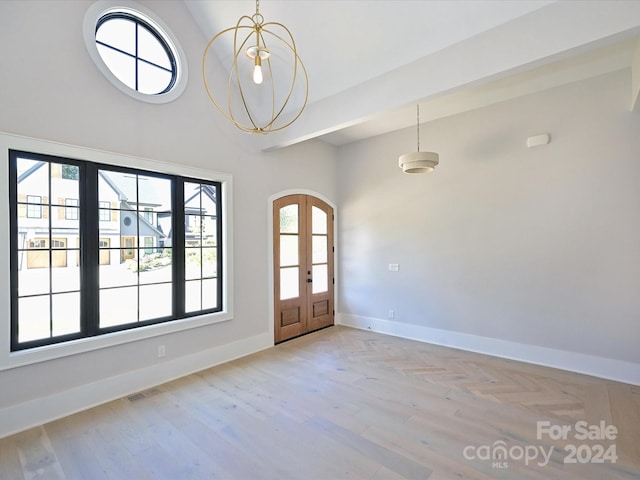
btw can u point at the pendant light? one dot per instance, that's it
(267, 85)
(418, 162)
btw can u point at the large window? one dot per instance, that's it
(119, 250)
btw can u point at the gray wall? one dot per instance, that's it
(51, 89)
(537, 246)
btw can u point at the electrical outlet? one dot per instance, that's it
(161, 351)
(392, 314)
(394, 267)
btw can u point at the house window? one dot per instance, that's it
(135, 50)
(104, 215)
(148, 214)
(148, 245)
(34, 206)
(56, 295)
(71, 209)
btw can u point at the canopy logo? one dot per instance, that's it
(500, 454)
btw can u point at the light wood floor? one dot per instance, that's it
(337, 404)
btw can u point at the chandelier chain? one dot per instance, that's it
(257, 7)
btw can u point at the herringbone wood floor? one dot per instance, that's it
(339, 403)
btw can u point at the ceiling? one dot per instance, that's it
(370, 62)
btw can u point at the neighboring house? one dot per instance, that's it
(200, 200)
(117, 221)
(145, 207)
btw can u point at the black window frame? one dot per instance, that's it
(89, 241)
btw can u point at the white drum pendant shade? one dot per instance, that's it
(419, 162)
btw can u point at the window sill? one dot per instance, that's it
(83, 345)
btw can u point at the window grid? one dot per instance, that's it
(96, 244)
(138, 24)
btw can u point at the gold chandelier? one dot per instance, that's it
(255, 103)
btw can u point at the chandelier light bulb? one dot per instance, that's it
(257, 71)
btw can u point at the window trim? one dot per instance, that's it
(10, 359)
(102, 8)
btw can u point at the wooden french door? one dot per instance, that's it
(303, 265)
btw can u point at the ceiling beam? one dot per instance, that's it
(552, 33)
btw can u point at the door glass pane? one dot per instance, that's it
(33, 313)
(66, 313)
(288, 250)
(319, 245)
(289, 283)
(289, 219)
(318, 221)
(320, 279)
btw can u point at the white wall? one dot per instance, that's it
(530, 247)
(51, 89)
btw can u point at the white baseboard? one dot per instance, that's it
(16, 418)
(601, 367)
